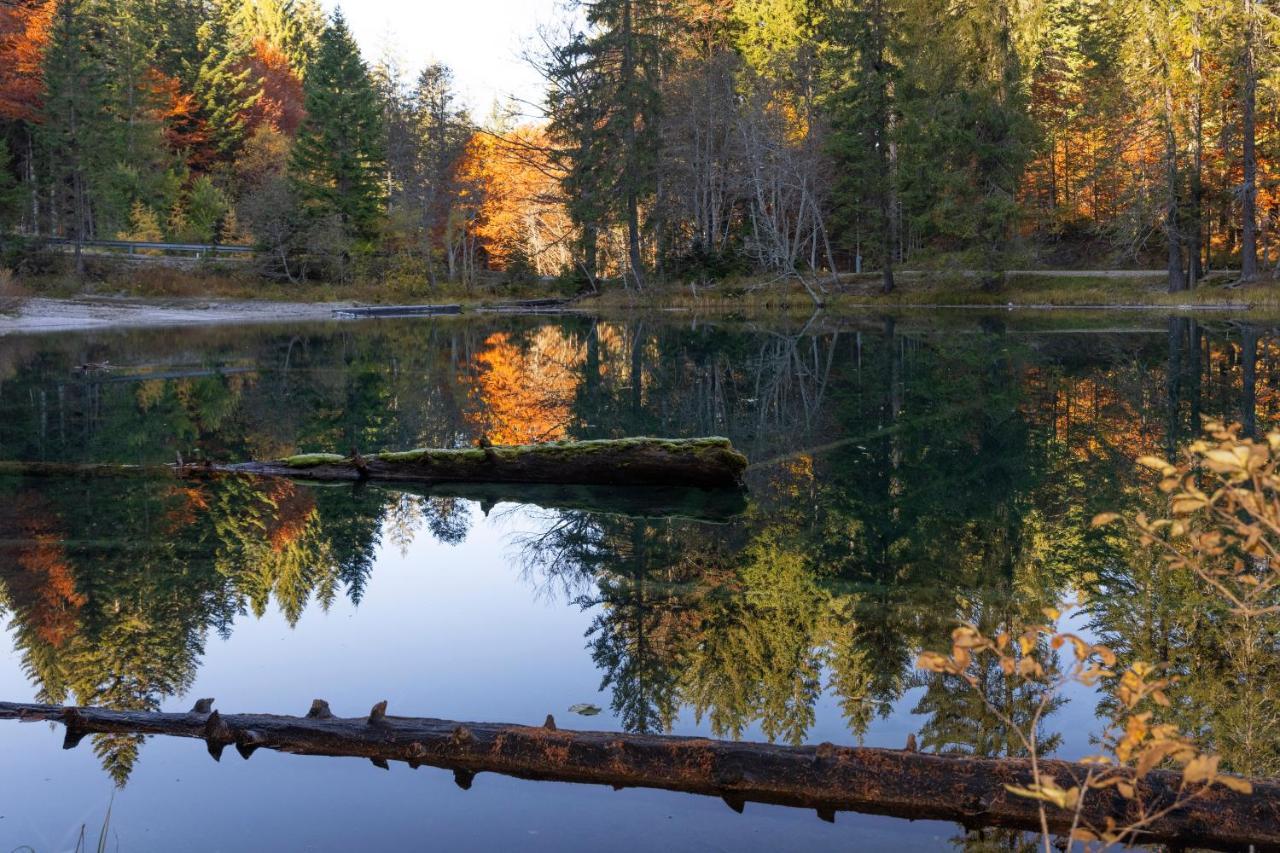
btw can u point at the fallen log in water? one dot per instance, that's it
(701, 462)
(826, 778)
(708, 463)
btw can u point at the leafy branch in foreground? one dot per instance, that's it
(1223, 527)
(1133, 745)
(1224, 524)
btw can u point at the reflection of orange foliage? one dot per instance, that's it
(294, 509)
(525, 394)
(24, 32)
(521, 205)
(192, 502)
(39, 577)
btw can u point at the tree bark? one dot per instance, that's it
(1249, 192)
(826, 778)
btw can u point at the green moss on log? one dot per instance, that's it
(568, 449)
(311, 460)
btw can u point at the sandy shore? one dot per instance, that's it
(57, 315)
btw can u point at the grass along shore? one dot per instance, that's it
(915, 289)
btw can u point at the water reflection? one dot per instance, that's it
(905, 476)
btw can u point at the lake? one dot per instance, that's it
(907, 473)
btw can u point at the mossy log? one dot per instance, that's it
(708, 463)
(826, 778)
(700, 462)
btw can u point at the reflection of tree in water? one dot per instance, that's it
(954, 479)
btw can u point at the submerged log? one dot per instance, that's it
(700, 462)
(825, 778)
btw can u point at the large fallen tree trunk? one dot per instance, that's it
(703, 462)
(826, 778)
(709, 463)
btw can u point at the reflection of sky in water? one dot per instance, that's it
(990, 427)
(452, 632)
(444, 631)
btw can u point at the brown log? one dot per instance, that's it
(708, 463)
(698, 462)
(825, 778)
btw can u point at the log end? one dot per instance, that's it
(378, 714)
(202, 706)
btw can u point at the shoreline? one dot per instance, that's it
(40, 315)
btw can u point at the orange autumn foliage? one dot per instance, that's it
(521, 206)
(24, 33)
(184, 130)
(281, 104)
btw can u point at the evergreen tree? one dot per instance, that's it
(338, 159)
(292, 27)
(75, 130)
(10, 191)
(862, 114)
(625, 57)
(223, 85)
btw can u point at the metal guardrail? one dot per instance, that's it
(199, 250)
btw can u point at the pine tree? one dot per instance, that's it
(337, 164)
(10, 192)
(292, 27)
(861, 106)
(624, 60)
(75, 130)
(223, 85)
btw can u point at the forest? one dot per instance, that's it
(686, 141)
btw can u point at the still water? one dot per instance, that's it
(907, 474)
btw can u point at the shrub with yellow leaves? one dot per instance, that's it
(1224, 518)
(1132, 745)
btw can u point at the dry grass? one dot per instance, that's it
(749, 297)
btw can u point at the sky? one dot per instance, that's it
(481, 40)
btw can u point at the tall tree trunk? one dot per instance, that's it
(1195, 227)
(1177, 276)
(1249, 193)
(628, 84)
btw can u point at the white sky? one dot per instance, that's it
(481, 40)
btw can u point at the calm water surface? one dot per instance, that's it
(906, 474)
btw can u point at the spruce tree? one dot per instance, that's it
(224, 86)
(338, 159)
(610, 124)
(862, 113)
(10, 193)
(75, 130)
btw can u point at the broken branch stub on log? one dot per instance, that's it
(825, 778)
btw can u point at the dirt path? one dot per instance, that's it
(57, 315)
